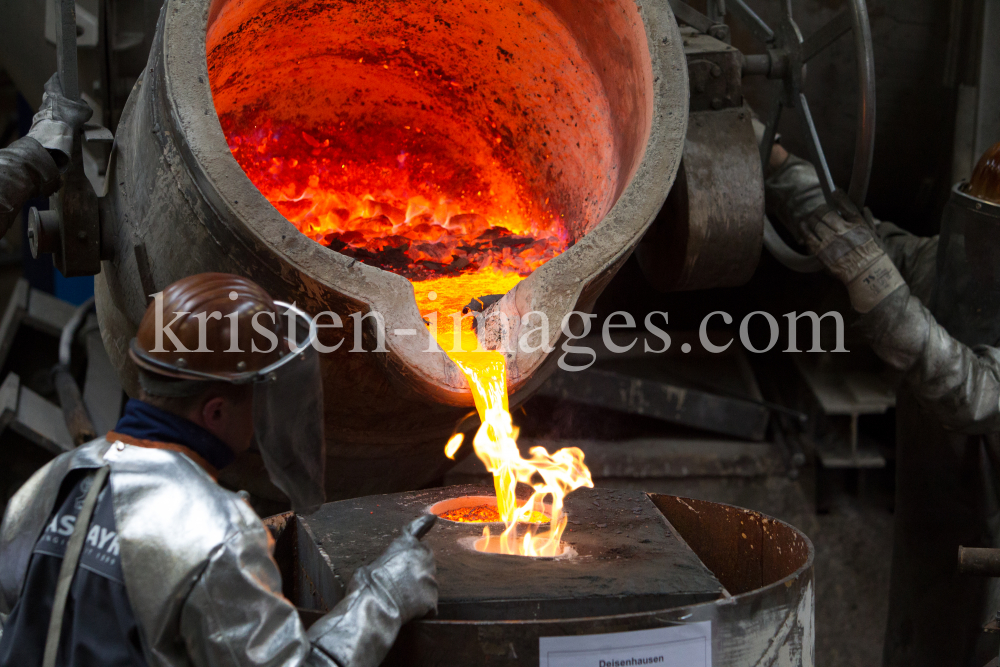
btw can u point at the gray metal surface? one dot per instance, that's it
(766, 566)
(710, 230)
(43, 318)
(65, 22)
(102, 393)
(654, 395)
(35, 418)
(17, 305)
(714, 72)
(864, 141)
(988, 94)
(983, 562)
(48, 313)
(629, 558)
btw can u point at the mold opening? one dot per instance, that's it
(493, 545)
(480, 510)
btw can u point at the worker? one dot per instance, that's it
(30, 167)
(169, 568)
(930, 308)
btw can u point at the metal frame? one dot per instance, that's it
(785, 60)
(70, 230)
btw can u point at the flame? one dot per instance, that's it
(496, 446)
(457, 234)
(454, 442)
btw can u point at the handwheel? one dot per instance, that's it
(787, 54)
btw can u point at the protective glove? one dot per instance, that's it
(57, 122)
(26, 170)
(397, 588)
(847, 244)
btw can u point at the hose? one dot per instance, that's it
(81, 428)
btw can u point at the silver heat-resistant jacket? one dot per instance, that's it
(947, 445)
(957, 383)
(198, 568)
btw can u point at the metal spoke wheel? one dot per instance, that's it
(787, 54)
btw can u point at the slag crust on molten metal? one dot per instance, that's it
(360, 197)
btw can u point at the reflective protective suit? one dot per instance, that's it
(948, 435)
(199, 573)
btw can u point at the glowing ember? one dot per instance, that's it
(485, 514)
(384, 197)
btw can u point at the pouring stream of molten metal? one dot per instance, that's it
(496, 446)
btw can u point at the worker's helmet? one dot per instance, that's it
(966, 298)
(985, 181)
(210, 326)
(219, 327)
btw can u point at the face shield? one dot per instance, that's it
(288, 415)
(966, 298)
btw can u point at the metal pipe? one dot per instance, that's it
(74, 411)
(757, 64)
(979, 562)
(865, 141)
(69, 331)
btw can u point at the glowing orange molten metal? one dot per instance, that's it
(496, 446)
(485, 514)
(385, 198)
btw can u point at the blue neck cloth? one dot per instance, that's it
(146, 422)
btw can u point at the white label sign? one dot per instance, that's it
(676, 646)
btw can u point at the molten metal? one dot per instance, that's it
(496, 446)
(460, 145)
(485, 514)
(388, 200)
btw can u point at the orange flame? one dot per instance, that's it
(496, 446)
(479, 235)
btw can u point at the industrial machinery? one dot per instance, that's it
(626, 120)
(178, 202)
